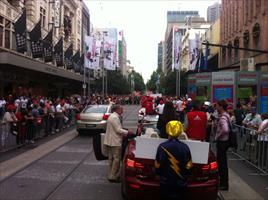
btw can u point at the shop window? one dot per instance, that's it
(236, 51)
(1, 35)
(256, 35)
(223, 53)
(229, 52)
(43, 17)
(7, 39)
(246, 43)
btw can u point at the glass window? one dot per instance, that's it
(1, 36)
(96, 109)
(7, 39)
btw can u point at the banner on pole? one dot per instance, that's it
(177, 47)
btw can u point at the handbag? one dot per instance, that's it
(232, 136)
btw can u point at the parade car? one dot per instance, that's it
(139, 180)
(93, 118)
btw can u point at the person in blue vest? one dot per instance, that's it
(173, 164)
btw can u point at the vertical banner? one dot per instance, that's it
(57, 13)
(194, 43)
(90, 54)
(177, 47)
(110, 49)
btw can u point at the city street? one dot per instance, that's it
(69, 172)
(72, 172)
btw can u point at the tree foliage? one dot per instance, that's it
(167, 82)
(139, 82)
(116, 84)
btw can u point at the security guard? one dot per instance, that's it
(173, 164)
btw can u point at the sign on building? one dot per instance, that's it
(57, 13)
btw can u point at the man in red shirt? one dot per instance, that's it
(196, 122)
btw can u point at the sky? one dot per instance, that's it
(143, 23)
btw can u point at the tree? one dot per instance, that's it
(139, 82)
(117, 83)
(151, 84)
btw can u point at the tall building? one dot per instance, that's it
(160, 55)
(21, 73)
(213, 12)
(174, 18)
(244, 24)
(122, 54)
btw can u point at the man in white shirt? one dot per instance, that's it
(252, 120)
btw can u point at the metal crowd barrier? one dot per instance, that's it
(8, 141)
(252, 147)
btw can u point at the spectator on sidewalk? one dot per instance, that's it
(195, 123)
(239, 114)
(222, 143)
(30, 126)
(252, 120)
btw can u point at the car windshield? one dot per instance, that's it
(96, 109)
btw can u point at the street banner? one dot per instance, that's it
(91, 61)
(58, 52)
(68, 57)
(110, 49)
(21, 33)
(48, 47)
(194, 43)
(177, 47)
(36, 41)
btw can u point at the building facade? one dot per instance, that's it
(174, 18)
(34, 75)
(212, 35)
(244, 24)
(160, 55)
(213, 12)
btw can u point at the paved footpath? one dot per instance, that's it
(11, 166)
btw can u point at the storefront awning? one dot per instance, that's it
(15, 59)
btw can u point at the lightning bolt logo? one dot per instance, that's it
(174, 163)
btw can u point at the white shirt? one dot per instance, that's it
(2, 103)
(179, 105)
(160, 108)
(58, 108)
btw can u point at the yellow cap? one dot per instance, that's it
(174, 128)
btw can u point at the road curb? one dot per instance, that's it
(13, 165)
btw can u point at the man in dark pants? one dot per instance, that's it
(222, 143)
(173, 164)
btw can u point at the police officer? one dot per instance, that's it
(173, 164)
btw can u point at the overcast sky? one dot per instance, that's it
(144, 24)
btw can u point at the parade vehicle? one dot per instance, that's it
(93, 118)
(139, 180)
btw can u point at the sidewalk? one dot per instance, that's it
(11, 166)
(238, 189)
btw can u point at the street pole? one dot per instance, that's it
(106, 83)
(177, 82)
(88, 91)
(103, 78)
(84, 83)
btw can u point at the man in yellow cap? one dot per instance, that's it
(173, 164)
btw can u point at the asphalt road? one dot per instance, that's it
(69, 172)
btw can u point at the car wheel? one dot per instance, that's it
(123, 192)
(97, 147)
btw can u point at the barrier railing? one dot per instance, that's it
(252, 147)
(10, 141)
